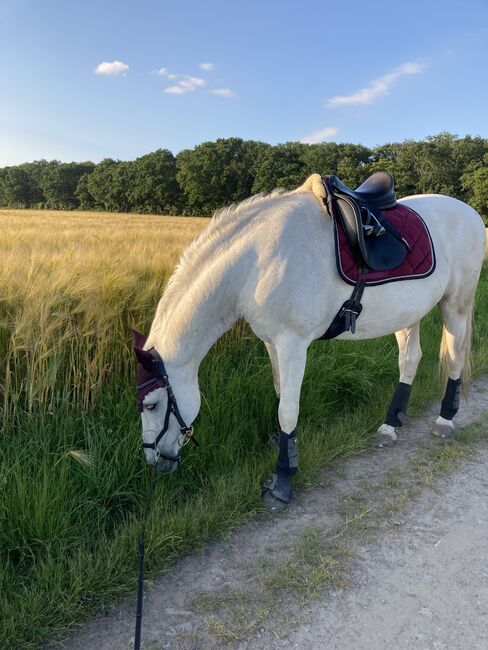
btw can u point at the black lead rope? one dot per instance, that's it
(140, 577)
(186, 434)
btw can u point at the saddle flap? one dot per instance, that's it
(378, 253)
(384, 252)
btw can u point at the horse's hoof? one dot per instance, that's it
(385, 442)
(443, 428)
(386, 437)
(276, 492)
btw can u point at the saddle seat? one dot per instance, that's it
(375, 242)
(377, 191)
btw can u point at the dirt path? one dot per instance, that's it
(391, 552)
(425, 586)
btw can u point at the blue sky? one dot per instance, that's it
(365, 72)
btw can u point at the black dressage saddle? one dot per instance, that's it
(374, 241)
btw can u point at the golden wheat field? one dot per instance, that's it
(66, 279)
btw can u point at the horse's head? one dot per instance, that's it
(167, 410)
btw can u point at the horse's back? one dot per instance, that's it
(455, 227)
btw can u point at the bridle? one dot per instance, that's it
(186, 432)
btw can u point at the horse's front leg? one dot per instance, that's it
(409, 355)
(291, 357)
(273, 356)
(275, 435)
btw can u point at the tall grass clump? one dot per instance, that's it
(72, 477)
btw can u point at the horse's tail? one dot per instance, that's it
(444, 353)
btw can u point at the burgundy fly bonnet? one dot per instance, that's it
(147, 378)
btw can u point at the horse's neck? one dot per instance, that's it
(189, 320)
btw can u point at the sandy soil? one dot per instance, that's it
(417, 576)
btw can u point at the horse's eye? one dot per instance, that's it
(150, 407)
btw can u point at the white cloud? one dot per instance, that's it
(192, 82)
(320, 135)
(186, 85)
(222, 92)
(164, 72)
(175, 90)
(112, 68)
(411, 68)
(376, 88)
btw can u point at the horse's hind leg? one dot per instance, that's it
(455, 351)
(409, 355)
(291, 355)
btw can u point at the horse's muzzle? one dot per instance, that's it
(167, 466)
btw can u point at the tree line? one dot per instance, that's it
(213, 174)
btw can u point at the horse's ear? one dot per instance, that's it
(145, 359)
(139, 339)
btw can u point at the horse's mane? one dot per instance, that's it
(235, 210)
(227, 222)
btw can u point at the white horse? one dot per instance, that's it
(270, 260)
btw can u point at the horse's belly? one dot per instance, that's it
(395, 306)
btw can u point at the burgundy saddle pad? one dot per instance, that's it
(419, 262)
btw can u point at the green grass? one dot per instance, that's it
(73, 479)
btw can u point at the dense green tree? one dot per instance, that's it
(435, 164)
(3, 197)
(59, 181)
(110, 185)
(280, 166)
(35, 171)
(214, 174)
(83, 194)
(446, 158)
(386, 158)
(154, 187)
(352, 167)
(321, 158)
(404, 161)
(438, 173)
(18, 189)
(468, 153)
(475, 183)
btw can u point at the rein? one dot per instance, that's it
(186, 434)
